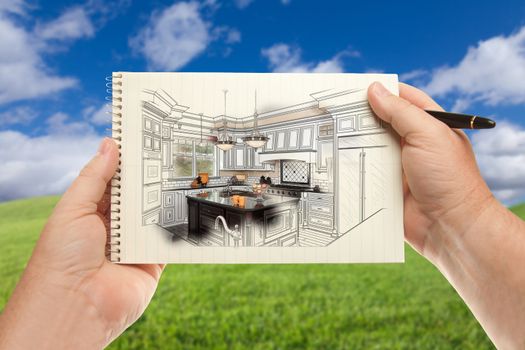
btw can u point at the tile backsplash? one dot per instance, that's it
(252, 177)
(295, 171)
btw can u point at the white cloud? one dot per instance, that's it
(412, 75)
(35, 166)
(243, 3)
(60, 124)
(492, 72)
(233, 36)
(74, 23)
(173, 36)
(501, 159)
(98, 115)
(13, 6)
(23, 74)
(285, 58)
(21, 115)
(179, 33)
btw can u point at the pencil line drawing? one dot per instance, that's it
(310, 173)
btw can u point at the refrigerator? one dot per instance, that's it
(361, 176)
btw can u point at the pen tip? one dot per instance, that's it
(491, 123)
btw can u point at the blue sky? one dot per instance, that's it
(55, 55)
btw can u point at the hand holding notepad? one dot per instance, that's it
(71, 296)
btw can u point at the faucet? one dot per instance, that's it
(235, 233)
(228, 185)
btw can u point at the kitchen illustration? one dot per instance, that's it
(301, 174)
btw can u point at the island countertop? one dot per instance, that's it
(250, 203)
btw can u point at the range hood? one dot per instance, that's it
(306, 156)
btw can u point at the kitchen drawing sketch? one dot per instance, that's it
(302, 175)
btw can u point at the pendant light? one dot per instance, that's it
(255, 140)
(225, 142)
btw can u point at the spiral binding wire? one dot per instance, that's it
(114, 98)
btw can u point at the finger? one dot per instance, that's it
(418, 97)
(89, 187)
(405, 117)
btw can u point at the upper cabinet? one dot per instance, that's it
(239, 157)
(280, 140)
(152, 126)
(325, 130)
(270, 145)
(357, 123)
(151, 134)
(293, 139)
(242, 157)
(307, 137)
(325, 154)
(290, 140)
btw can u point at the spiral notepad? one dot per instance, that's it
(253, 168)
(114, 87)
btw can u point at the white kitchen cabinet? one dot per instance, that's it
(307, 137)
(368, 121)
(300, 138)
(168, 199)
(181, 207)
(346, 124)
(151, 171)
(319, 211)
(270, 145)
(280, 140)
(151, 197)
(166, 132)
(325, 130)
(156, 144)
(147, 142)
(239, 158)
(257, 160)
(325, 151)
(174, 208)
(293, 139)
(168, 216)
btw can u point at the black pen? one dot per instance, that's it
(462, 121)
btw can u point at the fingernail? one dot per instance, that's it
(379, 90)
(104, 146)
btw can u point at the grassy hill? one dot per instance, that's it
(403, 306)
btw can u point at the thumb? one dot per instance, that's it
(405, 118)
(88, 188)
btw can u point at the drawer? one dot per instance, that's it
(320, 208)
(152, 218)
(168, 199)
(210, 210)
(327, 223)
(313, 196)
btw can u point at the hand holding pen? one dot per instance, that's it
(452, 218)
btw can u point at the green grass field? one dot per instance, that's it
(402, 306)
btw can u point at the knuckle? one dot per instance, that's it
(89, 172)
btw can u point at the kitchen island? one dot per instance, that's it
(269, 221)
